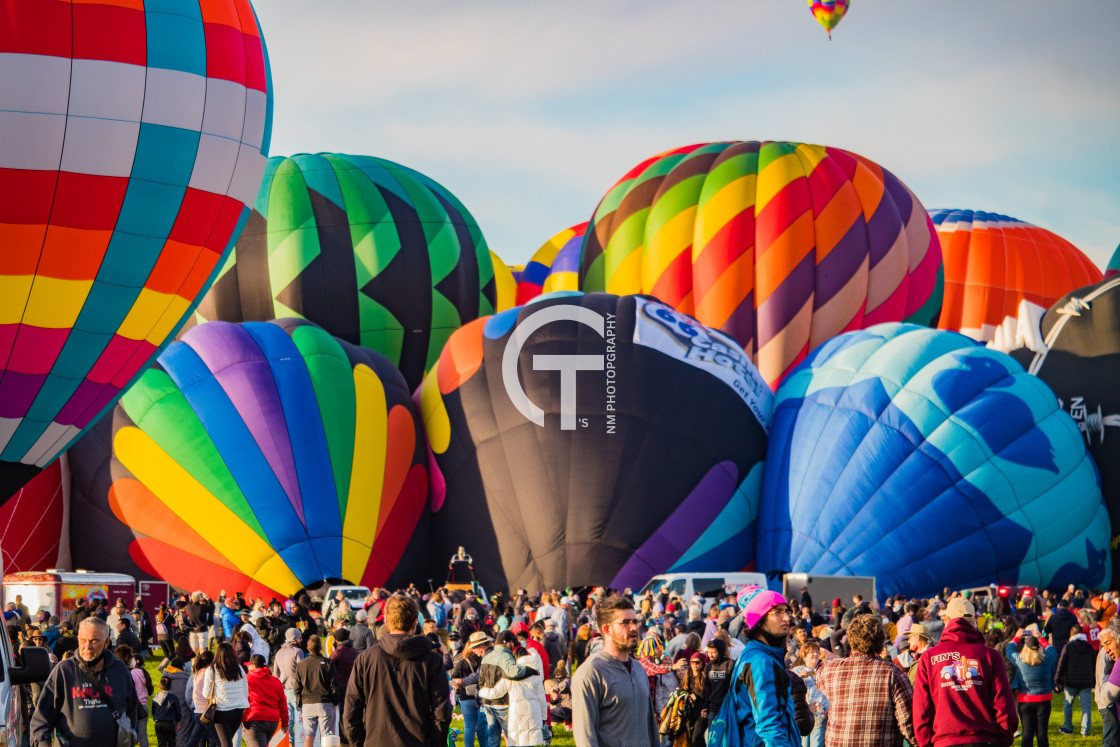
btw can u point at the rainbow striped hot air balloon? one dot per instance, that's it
(554, 267)
(134, 137)
(780, 245)
(265, 456)
(994, 262)
(829, 13)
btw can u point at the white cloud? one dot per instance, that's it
(528, 111)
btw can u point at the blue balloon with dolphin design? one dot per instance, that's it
(924, 459)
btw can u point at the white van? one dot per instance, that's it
(355, 595)
(708, 585)
(36, 666)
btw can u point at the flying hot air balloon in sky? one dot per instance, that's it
(645, 460)
(829, 13)
(134, 139)
(375, 253)
(779, 245)
(265, 456)
(922, 458)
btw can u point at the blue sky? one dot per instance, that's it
(530, 110)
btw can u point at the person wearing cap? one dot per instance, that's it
(870, 700)
(284, 669)
(498, 664)
(917, 642)
(759, 709)
(961, 690)
(360, 634)
(464, 678)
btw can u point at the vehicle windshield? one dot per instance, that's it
(676, 586)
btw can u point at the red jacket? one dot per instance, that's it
(961, 692)
(267, 701)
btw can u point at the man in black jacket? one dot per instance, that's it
(199, 613)
(398, 692)
(278, 625)
(79, 613)
(719, 669)
(70, 703)
(126, 637)
(1059, 625)
(1076, 675)
(316, 691)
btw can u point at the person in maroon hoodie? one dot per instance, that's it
(343, 657)
(961, 691)
(268, 706)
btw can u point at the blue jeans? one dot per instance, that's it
(1111, 729)
(474, 722)
(816, 738)
(201, 731)
(497, 721)
(1086, 709)
(295, 727)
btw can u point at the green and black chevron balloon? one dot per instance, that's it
(374, 252)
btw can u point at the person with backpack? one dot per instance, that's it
(759, 709)
(1076, 675)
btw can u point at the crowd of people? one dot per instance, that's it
(748, 668)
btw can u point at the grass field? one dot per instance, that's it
(563, 738)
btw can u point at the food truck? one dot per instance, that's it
(57, 591)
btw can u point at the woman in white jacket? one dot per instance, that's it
(225, 684)
(527, 704)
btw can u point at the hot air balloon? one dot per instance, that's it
(1113, 264)
(505, 284)
(780, 245)
(593, 439)
(1080, 360)
(994, 262)
(554, 267)
(265, 456)
(133, 141)
(829, 13)
(33, 523)
(926, 460)
(377, 254)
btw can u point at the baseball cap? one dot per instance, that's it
(959, 607)
(292, 634)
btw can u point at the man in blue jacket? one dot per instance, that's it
(229, 618)
(759, 709)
